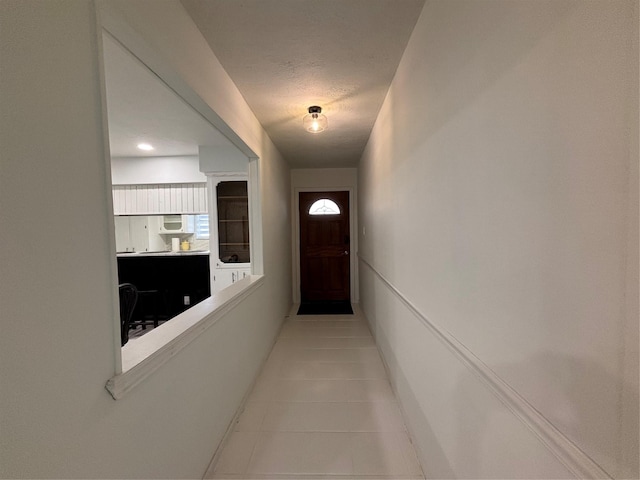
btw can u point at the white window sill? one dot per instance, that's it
(144, 356)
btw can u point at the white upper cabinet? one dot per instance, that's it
(132, 234)
(177, 224)
(182, 198)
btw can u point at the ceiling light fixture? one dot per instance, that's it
(145, 146)
(315, 121)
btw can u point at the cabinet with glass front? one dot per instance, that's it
(230, 249)
(233, 222)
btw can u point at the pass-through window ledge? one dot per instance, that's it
(149, 352)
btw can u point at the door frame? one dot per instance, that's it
(353, 239)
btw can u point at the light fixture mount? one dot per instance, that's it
(315, 121)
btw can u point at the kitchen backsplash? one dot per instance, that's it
(193, 244)
(139, 233)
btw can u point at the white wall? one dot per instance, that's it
(222, 159)
(57, 340)
(499, 193)
(152, 170)
(325, 179)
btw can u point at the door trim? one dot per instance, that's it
(353, 235)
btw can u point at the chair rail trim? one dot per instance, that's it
(565, 450)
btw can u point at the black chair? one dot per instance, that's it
(128, 299)
(152, 309)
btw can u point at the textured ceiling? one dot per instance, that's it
(286, 55)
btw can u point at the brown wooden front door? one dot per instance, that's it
(324, 249)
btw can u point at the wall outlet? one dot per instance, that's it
(187, 300)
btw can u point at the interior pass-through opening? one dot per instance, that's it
(169, 240)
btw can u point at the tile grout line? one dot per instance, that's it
(271, 401)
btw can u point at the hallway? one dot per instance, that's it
(493, 240)
(322, 407)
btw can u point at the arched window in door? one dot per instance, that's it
(324, 206)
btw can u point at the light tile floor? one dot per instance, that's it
(321, 408)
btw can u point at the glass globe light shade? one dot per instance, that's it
(315, 121)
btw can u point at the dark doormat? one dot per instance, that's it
(325, 308)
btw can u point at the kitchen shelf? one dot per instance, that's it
(233, 221)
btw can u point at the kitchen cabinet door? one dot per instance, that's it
(223, 277)
(229, 228)
(231, 232)
(132, 234)
(139, 232)
(123, 234)
(243, 273)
